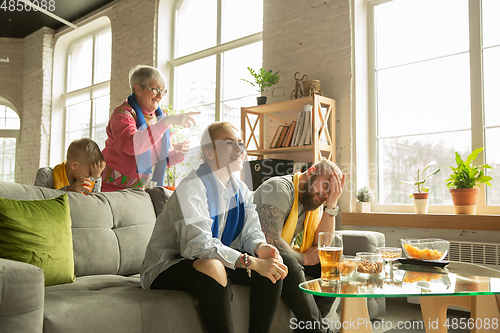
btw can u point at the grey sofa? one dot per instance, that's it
(110, 234)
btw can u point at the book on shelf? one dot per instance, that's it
(310, 127)
(276, 136)
(298, 129)
(306, 124)
(308, 135)
(289, 135)
(282, 136)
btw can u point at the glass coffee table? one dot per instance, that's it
(467, 285)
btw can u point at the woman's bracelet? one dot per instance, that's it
(247, 264)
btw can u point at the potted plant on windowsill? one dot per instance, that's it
(263, 80)
(364, 196)
(421, 197)
(464, 182)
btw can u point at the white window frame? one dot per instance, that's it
(9, 133)
(477, 121)
(216, 50)
(90, 90)
(63, 44)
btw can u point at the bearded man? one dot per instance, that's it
(301, 203)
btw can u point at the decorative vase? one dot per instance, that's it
(261, 100)
(464, 200)
(362, 207)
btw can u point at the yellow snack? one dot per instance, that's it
(411, 277)
(347, 267)
(390, 255)
(425, 254)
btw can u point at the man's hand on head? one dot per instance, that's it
(336, 188)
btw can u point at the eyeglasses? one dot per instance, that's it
(156, 91)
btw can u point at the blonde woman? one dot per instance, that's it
(190, 248)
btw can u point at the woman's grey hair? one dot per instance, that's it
(144, 76)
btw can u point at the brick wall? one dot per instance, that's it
(11, 85)
(133, 27)
(33, 144)
(313, 38)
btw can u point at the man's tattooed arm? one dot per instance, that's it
(272, 220)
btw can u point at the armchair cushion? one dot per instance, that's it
(38, 232)
(361, 241)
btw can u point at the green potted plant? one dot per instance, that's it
(464, 182)
(421, 196)
(263, 80)
(364, 196)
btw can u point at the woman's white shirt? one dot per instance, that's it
(184, 228)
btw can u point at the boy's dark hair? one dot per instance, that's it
(84, 150)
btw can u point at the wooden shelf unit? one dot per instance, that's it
(325, 127)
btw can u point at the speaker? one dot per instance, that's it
(258, 171)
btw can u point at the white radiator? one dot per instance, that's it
(486, 254)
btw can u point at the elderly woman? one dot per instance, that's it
(138, 148)
(190, 248)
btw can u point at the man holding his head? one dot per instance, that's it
(301, 203)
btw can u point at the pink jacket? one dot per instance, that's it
(125, 141)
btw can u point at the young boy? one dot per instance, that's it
(83, 160)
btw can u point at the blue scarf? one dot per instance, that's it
(235, 216)
(144, 165)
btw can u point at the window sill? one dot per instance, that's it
(424, 221)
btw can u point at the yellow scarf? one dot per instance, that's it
(59, 176)
(311, 221)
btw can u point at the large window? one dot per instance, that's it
(87, 91)
(436, 78)
(9, 131)
(215, 42)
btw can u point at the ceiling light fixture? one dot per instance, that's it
(29, 3)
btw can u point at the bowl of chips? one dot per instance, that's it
(348, 264)
(433, 249)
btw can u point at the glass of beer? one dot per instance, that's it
(330, 247)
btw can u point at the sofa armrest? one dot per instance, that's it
(22, 292)
(361, 241)
(159, 196)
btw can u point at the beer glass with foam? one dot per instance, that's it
(330, 247)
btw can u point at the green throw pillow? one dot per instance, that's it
(38, 232)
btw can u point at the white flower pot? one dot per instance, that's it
(421, 205)
(362, 207)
